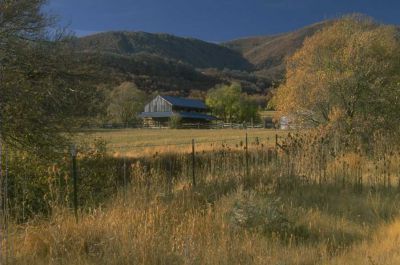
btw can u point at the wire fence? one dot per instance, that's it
(165, 125)
(84, 177)
(91, 174)
(123, 148)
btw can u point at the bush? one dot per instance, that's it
(256, 213)
(175, 121)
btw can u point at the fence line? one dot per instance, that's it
(290, 163)
(183, 144)
(301, 162)
(6, 246)
(220, 125)
(66, 147)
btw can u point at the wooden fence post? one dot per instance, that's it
(75, 180)
(193, 164)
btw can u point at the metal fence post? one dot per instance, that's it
(276, 148)
(125, 181)
(124, 168)
(75, 180)
(1, 182)
(193, 164)
(169, 175)
(1, 201)
(247, 156)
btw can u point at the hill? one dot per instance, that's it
(154, 73)
(197, 53)
(176, 65)
(267, 53)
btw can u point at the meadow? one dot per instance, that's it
(296, 203)
(141, 142)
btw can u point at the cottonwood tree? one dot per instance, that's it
(45, 86)
(229, 103)
(126, 102)
(345, 77)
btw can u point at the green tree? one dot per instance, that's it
(248, 110)
(230, 104)
(345, 77)
(224, 101)
(46, 88)
(175, 121)
(126, 102)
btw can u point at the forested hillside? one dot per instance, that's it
(199, 54)
(154, 73)
(267, 53)
(176, 65)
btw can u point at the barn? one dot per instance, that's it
(162, 108)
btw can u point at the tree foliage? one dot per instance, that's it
(126, 101)
(230, 104)
(45, 86)
(345, 77)
(175, 121)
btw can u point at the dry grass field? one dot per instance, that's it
(301, 206)
(142, 142)
(219, 222)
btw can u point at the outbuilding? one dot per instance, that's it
(162, 109)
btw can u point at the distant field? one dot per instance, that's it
(268, 113)
(136, 142)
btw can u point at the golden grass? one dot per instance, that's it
(187, 227)
(268, 216)
(382, 249)
(269, 114)
(147, 142)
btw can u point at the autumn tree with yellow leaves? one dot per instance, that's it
(346, 77)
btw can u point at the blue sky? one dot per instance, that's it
(212, 20)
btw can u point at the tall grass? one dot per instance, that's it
(307, 201)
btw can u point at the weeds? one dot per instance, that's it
(307, 202)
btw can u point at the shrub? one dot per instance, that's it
(260, 214)
(175, 121)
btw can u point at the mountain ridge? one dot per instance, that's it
(167, 62)
(198, 53)
(267, 53)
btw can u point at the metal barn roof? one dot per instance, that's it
(185, 103)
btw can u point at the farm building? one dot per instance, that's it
(162, 108)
